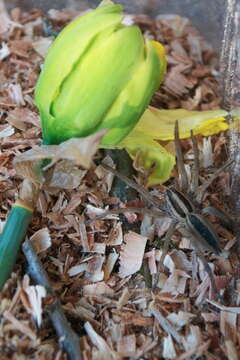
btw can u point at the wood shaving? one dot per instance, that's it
(41, 240)
(111, 261)
(4, 51)
(96, 339)
(7, 131)
(42, 45)
(31, 297)
(132, 254)
(97, 289)
(127, 346)
(169, 351)
(19, 325)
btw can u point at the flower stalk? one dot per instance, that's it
(15, 228)
(12, 236)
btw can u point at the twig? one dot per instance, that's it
(123, 163)
(202, 189)
(146, 273)
(232, 309)
(197, 245)
(183, 179)
(196, 164)
(167, 240)
(144, 211)
(165, 324)
(224, 218)
(209, 272)
(67, 337)
(135, 186)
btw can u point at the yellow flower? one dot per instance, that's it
(156, 124)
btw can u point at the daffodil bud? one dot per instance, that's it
(98, 74)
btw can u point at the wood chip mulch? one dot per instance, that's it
(95, 268)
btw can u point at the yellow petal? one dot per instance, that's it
(162, 56)
(149, 155)
(159, 124)
(155, 124)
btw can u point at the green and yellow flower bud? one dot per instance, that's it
(98, 74)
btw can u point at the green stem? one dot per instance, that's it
(13, 234)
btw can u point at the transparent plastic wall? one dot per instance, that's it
(230, 70)
(206, 15)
